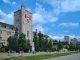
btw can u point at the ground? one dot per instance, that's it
(69, 57)
(38, 56)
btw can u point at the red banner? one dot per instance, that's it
(28, 17)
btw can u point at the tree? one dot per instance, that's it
(71, 47)
(50, 45)
(45, 44)
(40, 41)
(18, 44)
(28, 45)
(12, 43)
(22, 42)
(36, 41)
(9, 40)
(60, 45)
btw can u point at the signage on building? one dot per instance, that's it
(28, 17)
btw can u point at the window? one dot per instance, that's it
(27, 33)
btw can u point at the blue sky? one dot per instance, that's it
(55, 18)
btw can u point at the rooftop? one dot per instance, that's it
(6, 25)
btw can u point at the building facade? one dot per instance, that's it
(74, 41)
(23, 22)
(6, 31)
(67, 39)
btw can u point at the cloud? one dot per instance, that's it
(56, 37)
(2, 21)
(70, 5)
(37, 19)
(74, 36)
(63, 5)
(70, 24)
(29, 9)
(6, 1)
(41, 16)
(61, 37)
(40, 28)
(9, 2)
(6, 18)
(14, 3)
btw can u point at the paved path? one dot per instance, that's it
(69, 57)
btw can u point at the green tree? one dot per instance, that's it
(12, 43)
(50, 45)
(36, 41)
(22, 42)
(60, 45)
(18, 44)
(71, 47)
(40, 41)
(28, 45)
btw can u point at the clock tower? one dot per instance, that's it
(23, 22)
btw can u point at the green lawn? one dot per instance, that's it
(38, 57)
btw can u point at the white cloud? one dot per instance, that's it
(73, 36)
(37, 18)
(61, 37)
(70, 24)
(70, 5)
(6, 1)
(10, 2)
(7, 18)
(42, 16)
(57, 37)
(64, 5)
(39, 28)
(14, 3)
(29, 9)
(2, 21)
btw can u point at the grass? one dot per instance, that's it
(39, 57)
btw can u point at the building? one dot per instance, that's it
(74, 41)
(23, 22)
(67, 39)
(6, 31)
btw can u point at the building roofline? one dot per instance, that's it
(7, 25)
(25, 10)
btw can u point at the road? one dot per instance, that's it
(69, 57)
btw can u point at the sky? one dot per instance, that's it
(55, 18)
